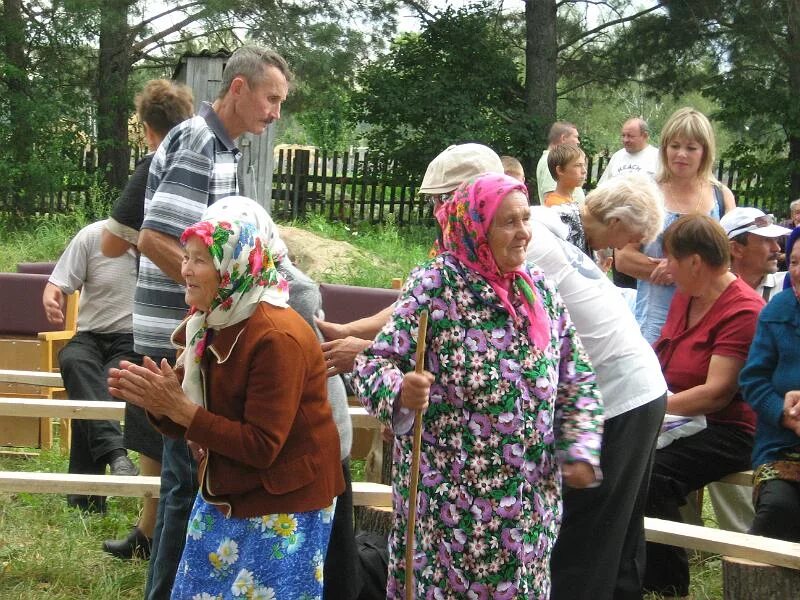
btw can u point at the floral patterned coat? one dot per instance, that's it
(501, 416)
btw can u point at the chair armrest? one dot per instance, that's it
(55, 336)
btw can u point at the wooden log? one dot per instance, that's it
(744, 579)
(374, 519)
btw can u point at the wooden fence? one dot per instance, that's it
(359, 187)
(346, 186)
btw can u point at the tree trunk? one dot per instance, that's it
(793, 121)
(21, 142)
(744, 579)
(112, 92)
(540, 73)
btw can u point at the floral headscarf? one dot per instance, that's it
(247, 277)
(465, 221)
(242, 208)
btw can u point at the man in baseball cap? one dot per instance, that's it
(753, 239)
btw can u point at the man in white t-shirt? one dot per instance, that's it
(636, 156)
(104, 337)
(602, 534)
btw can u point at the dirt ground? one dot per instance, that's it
(318, 257)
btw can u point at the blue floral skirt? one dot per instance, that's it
(274, 556)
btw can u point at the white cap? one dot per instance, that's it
(746, 219)
(457, 164)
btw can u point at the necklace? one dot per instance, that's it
(681, 205)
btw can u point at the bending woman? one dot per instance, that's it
(504, 366)
(770, 380)
(249, 394)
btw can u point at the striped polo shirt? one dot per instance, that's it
(193, 167)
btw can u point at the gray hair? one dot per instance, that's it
(250, 62)
(634, 199)
(644, 128)
(794, 205)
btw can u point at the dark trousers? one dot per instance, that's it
(84, 363)
(340, 576)
(778, 511)
(684, 466)
(599, 553)
(177, 493)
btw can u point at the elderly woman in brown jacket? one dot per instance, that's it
(249, 393)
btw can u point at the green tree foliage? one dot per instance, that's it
(743, 54)
(456, 81)
(44, 105)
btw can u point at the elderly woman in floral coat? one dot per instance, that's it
(510, 404)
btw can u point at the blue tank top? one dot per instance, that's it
(652, 300)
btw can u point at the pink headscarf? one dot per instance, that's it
(465, 222)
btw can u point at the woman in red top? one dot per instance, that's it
(702, 348)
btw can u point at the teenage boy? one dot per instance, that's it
(567, 165)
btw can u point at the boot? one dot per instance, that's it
(135, 544)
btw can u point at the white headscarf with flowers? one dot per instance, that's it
(247, 277)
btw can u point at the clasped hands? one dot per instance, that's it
(153, 387)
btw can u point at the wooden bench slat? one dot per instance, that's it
(744, 478)
(365, 493)
(727, 543)
(31, 378)
(71, 483)
(62, 409)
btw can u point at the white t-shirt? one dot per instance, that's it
(628, 372)
(623, 162)
(106, 284)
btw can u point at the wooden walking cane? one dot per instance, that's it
(413, 480)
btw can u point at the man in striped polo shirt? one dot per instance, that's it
(193, 167)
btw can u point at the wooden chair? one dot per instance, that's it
(51, 344)
(22, 348)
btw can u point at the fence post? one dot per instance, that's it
(299, 182)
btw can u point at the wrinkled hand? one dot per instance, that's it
(578, 474)
(416, 389)
(660, 276)
(341, 354)
(152, 387)
(331, 331)
(791, 411)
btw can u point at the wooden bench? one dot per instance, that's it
(364, 493)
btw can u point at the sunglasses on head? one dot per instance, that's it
(759, 222)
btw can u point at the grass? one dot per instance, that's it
(50, 551)
(390, 251)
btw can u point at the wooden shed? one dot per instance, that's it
(203, 73)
